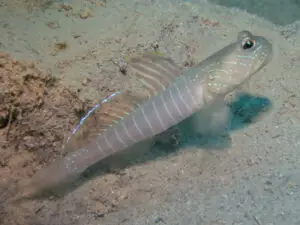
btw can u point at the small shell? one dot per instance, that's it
(85, 13)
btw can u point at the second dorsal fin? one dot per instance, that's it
(110, 111)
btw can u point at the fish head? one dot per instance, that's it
(237, 62)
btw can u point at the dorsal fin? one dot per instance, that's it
(154, 71)
(110, 111)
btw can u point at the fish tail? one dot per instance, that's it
(62, 171)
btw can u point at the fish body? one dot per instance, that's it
(174, 96)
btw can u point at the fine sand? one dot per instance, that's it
(250, 177)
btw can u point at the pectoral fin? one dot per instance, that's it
(213, 120)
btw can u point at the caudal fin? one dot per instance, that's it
(61, 172)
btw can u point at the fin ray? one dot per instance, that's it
(154, 71)
(100, 117)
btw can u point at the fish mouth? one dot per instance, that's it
(266, 57)
(269, 51)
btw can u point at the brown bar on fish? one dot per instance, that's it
(174, 95)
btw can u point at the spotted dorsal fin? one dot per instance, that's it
(154, 71)
(103, 115)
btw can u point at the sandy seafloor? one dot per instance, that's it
(253, 181)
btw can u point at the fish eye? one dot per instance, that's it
(248, 44)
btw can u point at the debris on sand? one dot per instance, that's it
(36, 114)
